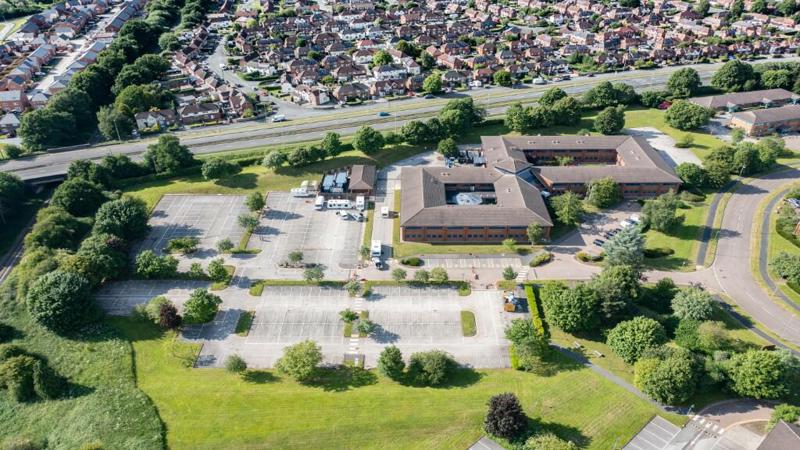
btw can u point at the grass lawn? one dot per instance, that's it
(212, 408)
(244, 322)
(778, 244)
(468, 327)
(704, 142)
(684, 239)
(104, 404)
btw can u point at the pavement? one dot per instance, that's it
(665, 145)
(252, 134)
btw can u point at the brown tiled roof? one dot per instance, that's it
(641, 163)
(362, 177)
(768, 115)
(423, 199)
(742, 98)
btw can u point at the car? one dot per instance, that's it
(634, 218)
(429, 96)
(598, 242)
(626, 223)
(607, 235)
(360, 217)
(383, 114)
(379, 264)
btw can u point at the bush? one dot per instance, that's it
(631, 338)
(509, 273)
(216, 168)
(572, 310)
(168, 317)
(586, 257)
(548, 441)
(411, 261)
(185, 245)
(235, 364)
(505, 417)
(693, 303)
(671, 380)
(300, 361)
(153, 307)
(439, 275)
(225, 246)
(150, 266)
(759, 374)
(685, 115)
(541, 258)
(659, 252)
(218, 272)
(390, 362)
(60, 300)
(431, 367)
(787, 413)
(201, 307)
(126, 218)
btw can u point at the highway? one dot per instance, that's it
(342, 120)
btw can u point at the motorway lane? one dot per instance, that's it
(732, 264)
(242, 136)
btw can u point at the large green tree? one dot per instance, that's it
(79, 197)
(571, 309)
(630, 339)
(735, 75)
(568, 208)
(167, 155)
(125, 217)
(60, 301)
(368, 140)
(201, 307)
(685, 115)
(610, 120)
(300, 361)
(684, 83)
(626, 248)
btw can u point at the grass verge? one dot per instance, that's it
(244, 322)
(468, 327)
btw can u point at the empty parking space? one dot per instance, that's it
(120, 297)
(498, 262)
(210, 218)
(654, 436)
(292, 224)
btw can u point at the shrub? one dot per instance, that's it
(348, 315)
(509, 273)
(399, 274)
(412, 261)
(758, 374)
(659, 252)
(421, 276)
(505, 417)
(548, 441)
(541, 258)
(150, 266)
(365, 327)
(216, 168)
(787, 413)
(684, 115)
(185, 245)
(168, 317)
(201, 307)
(671, 380)
(586, 257)
(225, 246)
(353, 287)
(390, 362)
(217, 271)
(60, 300)
(572, 310)
(431, 367)
(631, 338)
(153, 307)
(235, 364)
(439, 275)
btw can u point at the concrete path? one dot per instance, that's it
(665, 146)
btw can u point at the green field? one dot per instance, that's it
(642, 117)
(684, 238)
(211, 408)
(778, 244)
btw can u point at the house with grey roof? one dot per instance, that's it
(737, 101)
(762, 122)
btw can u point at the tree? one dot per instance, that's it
(390, 362)
(100, 256)
(167, 155)
(702, 7)
(367, 140)
(217, 271)
(12, 195)
(121, 166)
(201, 307)
(421, 276)
(693, 303)
(568, 208)
(503, 78)
(216, 168)
(399, 274)
(313, 274)
(60, 301)
(785, 412)
(430, 368)
(169, 41)
(787, 7)
(653, 99)
(777, 79)
(140, 98)
(735, 75)
(427, 61)
(381, 58)
(472, 113)
(114, 124)
(295, 256)
(610, 120)
(248, 221)
(670, 381)
(235, 364)
(505, 417)
(718, 174)
(631, 338)
(55, 228)
(600, 96)
(44, 128)
(759, 6)
(125, 217)
(415, 132)
(353, 287)
(151, 266)
(439, 275)
(660, 213)
(255, 202)
(566, 111)
(572, 310)
(168, 317)
(509, 273)
(685, 115)
(758, 374)
(332, 144)
(625, 248)
(448, 148)
(518, 118)
(365, 327)
(432, 84)
(79, 197)
(535, 233)
(684, 83)
(551, 96)
(617, 287)
(274, 160)
(300, 361)
(692, 174)
(603, 192)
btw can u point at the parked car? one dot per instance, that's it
(383, 114)
(626, 223)
(598, 242)
(429, 96)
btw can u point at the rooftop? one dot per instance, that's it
(743, 98)
(768, 115)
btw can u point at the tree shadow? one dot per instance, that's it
(342, 378)
(259, 377)
(565, 432)
(240, 181)
(383, 336)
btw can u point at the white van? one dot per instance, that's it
(385, 212)
(361, 203)
(299, 192)
(319, 203)
(375, 249)
(279, 118)
(339, 204)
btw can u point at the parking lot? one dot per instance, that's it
(292, 224)
(414, 319)
(210, 218)
(594, 227)
(119, 297)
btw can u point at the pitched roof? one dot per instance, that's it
(424, 200)
(362, 177)
(743, 98)
(768, 115)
